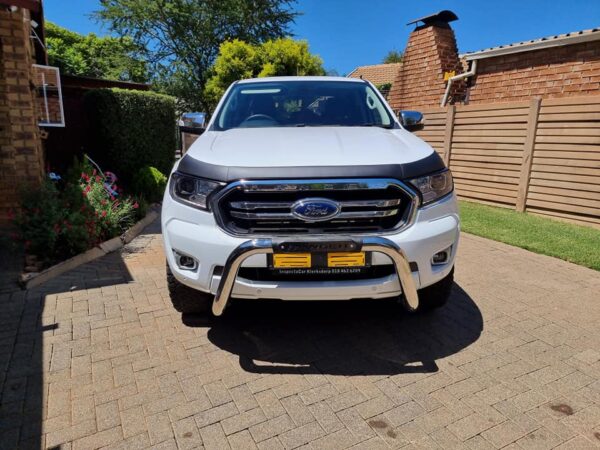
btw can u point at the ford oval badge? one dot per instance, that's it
(315, 209)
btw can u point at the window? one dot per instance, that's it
(302, 104)
(49, 102)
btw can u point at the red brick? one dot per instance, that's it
(566, 71)
(19, 136)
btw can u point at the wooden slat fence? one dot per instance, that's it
(541, 156)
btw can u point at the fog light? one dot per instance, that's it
(185, 262)
(441, 257)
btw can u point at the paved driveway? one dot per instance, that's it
(98, 358)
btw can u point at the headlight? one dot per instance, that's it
(191, 190)
(435, 186)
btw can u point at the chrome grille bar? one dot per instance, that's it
(290, 216)
(251, 206)
(350, 184)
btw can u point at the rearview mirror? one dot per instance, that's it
(192, 122)
(411, 120)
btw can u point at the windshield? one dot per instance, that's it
(302, 104)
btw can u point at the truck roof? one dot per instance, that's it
(284, 79)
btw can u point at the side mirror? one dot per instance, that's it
(411, 120)
(192, 123)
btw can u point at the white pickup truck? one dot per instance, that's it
(309, 188)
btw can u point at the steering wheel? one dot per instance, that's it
(259, 117)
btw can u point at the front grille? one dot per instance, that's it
(265, 207)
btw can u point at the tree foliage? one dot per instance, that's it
(393, 56)
(238, 60)
(90, 55)
(182, 37)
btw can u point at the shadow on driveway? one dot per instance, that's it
(342, 338)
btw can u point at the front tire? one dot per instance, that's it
(185, 299)
(436, 295)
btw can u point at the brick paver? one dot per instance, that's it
(98, 358)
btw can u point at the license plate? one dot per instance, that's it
(292, 260)
(346, 259)
(306, 260)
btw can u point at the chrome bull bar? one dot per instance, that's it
(265, 246)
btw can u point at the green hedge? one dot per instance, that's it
(131, 129)
(150, 183)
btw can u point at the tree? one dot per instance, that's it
(384, 88)
(393, 56)
(182, 37)
(93, 56)
(238, 59)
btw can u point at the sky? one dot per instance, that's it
(350, 33)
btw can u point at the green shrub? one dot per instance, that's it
(113, 214)
(131, 129)
(58, 220)
(55, 224)
(78, 166)
(150, 183)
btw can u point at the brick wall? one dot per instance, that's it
(21, 154)
(430, 51)
(568, 71)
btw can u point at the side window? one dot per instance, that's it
(375, 108)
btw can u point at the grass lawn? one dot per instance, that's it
(574, 243)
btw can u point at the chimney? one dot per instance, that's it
(430, 53)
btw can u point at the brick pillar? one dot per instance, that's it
(431, 51)
(21, 152)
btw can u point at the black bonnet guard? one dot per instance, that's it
(226, 174)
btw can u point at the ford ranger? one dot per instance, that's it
(309, 188)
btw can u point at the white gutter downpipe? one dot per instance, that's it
(458, 77)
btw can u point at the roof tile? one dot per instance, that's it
(378, 73)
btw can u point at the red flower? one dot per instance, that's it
(98, 178)
(135, 205)
(94, 172)
(87, 189)
(103, 213)
(103, 201)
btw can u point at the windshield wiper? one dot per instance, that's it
(388, 127)
(379, 125)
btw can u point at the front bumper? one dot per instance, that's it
(195, 233)
(266, 246)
